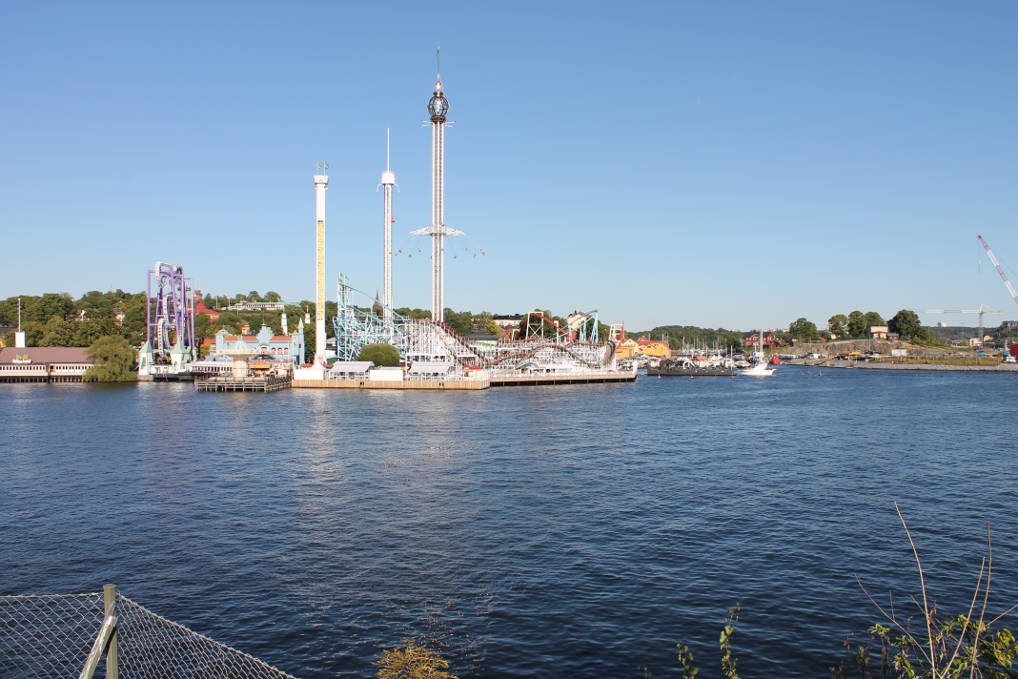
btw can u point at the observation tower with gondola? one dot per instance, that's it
(438, 108)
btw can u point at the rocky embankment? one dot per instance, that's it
(861, 345)
(877, 365)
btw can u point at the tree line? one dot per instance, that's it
(855, 324)
(60, 320)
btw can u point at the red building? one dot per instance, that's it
(200, 308)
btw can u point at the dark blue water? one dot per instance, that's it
(574, 531)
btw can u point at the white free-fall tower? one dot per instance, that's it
(321, 185)
(438, 107)
(388, 181)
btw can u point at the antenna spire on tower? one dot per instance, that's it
(387, 148)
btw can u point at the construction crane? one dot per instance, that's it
(981, 310)
(993, 258)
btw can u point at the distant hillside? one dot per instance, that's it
(957, 332)
(678, 335)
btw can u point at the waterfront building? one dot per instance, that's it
(281, 347)
(652, 348)
(627, 348)
(43, 364)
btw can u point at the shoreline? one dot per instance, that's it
(874, 365)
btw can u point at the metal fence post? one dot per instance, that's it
(110, 604)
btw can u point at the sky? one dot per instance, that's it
(737, 164)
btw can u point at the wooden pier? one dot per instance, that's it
(251, 383)
(436, 384)
(537, 379)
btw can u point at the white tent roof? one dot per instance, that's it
(430, 368)
(351, 366)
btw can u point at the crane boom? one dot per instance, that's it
(996, 264)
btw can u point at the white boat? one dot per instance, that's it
(759, 367)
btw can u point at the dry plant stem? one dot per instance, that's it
(991, 623)
(986, 597)
(968, 618)
(922, 584)
(890, 618)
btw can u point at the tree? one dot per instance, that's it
(838, 324)
(856, 324)
(272, 296)
(906, 324)
(113, 358)
(254, 296)
(90, 330)
(462, 322)
(380, 354)
(803, 330)
(413, 313)
(48, 306)
(872, 318)
(203, 327)
(33, 333)
(57, 333)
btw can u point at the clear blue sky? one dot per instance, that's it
(717, 164)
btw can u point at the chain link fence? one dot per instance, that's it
(51, 636)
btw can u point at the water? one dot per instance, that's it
(574, 531)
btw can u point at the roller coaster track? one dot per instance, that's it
(518, 359)
(453, 342)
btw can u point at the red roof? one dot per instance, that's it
(47, 354)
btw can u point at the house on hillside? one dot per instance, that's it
(877, 332)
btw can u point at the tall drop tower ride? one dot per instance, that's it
(438, 107)
(321, 185)
(388, 181)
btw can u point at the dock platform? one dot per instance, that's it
(435, 384)
(230, 383)
(535, 379)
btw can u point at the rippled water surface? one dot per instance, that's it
(559, 531)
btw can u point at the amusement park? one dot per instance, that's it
(432, 355)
